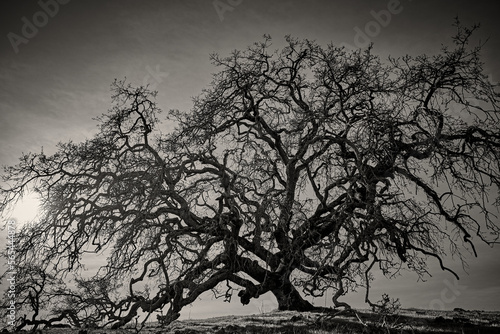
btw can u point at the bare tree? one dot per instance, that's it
(299, 170)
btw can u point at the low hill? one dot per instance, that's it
(362, 321)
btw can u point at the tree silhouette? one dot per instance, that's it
(296, 171)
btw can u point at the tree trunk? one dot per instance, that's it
(289, 299)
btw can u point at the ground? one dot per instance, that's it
(407, 321)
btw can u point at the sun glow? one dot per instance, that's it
(26, 209)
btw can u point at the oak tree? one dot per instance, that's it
(296, 171)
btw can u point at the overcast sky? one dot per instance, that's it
(57, 63)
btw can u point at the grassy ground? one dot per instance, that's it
(407, 321)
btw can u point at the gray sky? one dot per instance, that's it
(57, 64)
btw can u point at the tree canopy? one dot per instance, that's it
(296, 171)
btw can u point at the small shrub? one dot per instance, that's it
(387, 306)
